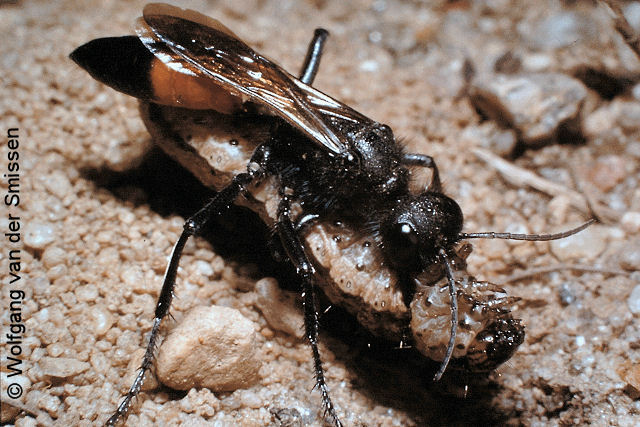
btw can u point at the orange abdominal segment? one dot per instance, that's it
(197, 93)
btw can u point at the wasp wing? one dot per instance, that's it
(194, 44)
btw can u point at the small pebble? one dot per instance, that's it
(567, 294)
(631, 11)
(38, 235)
(204, 268)
(586, 245)
(279, 308)
(213, 347)
(58, 184)
(62, 367)
(251, 400)
(488, 135)
(133, 278)
(86, 293)
(634, 300)
(607, 172)
(559, 30)
(41, 285)
(629, 257)
(53, 256)
(100, 319)
(535, 105)
(631, 222)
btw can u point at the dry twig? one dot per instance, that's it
(523, 178)
(562, 267)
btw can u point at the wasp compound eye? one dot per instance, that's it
(401, 242)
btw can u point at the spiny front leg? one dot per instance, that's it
(217, 205)
(295, 251)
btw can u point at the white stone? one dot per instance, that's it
(213, 347)
(38, 235)
(634, 300)
(587, 244)
(536, 104)
(630, 222)
(62, 367)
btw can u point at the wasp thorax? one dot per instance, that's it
(417, 228)
(379, 165)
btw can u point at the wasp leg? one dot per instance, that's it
(413, 159)
(304, 222)
(217, 205)
(301, 226)
(314, 53)
(295, 251)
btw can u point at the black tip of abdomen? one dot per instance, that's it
(120, 62)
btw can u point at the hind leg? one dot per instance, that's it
(217, 205)
(294, 249)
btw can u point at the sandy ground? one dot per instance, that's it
(99, 213)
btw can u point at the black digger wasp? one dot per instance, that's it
(330, 162)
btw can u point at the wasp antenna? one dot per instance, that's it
(534, 237)
(453, 293)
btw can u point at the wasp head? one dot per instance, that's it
(417, 228)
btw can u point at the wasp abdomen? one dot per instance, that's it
(126, 65)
